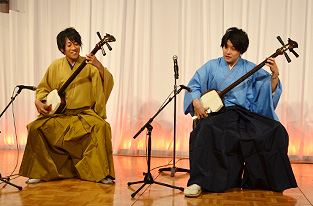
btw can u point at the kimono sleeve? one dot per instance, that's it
(199, 83)
(264, 101)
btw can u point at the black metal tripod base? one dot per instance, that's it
(3, 180)
(149, 180)
(173, 170)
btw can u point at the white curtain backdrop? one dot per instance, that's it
(148, 33)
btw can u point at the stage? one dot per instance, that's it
(130, 169)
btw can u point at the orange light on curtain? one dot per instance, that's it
(162, 142)
(9, 140)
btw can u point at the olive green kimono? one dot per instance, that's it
(78, 141)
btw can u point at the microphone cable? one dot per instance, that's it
(16, 139)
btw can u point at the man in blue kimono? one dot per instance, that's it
(242, 145)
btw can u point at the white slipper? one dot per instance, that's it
(193, 190)
(107, 180)
(33, 181)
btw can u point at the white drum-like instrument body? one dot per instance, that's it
(54, 99)
(212, 100)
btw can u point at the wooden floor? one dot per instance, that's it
(129, 169)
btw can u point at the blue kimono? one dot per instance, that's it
(242, 145)
(254, 93)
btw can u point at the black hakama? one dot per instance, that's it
(239, 148)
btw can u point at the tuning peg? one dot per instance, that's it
(295, 53)
(287, 57)
(102, 49)
(280, 40)
(98, 33)
(282, 43)
(108, 45)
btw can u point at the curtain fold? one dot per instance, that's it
(148, 33)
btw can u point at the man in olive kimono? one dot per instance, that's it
(77, 142)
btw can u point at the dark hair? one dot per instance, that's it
(238, 38)
(71, 34)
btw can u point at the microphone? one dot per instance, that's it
(175, 67)
(27, 87)
(187, 88)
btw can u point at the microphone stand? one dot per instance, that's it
(174, 168)
(3, 180)
(148, 179)
(12, 99)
